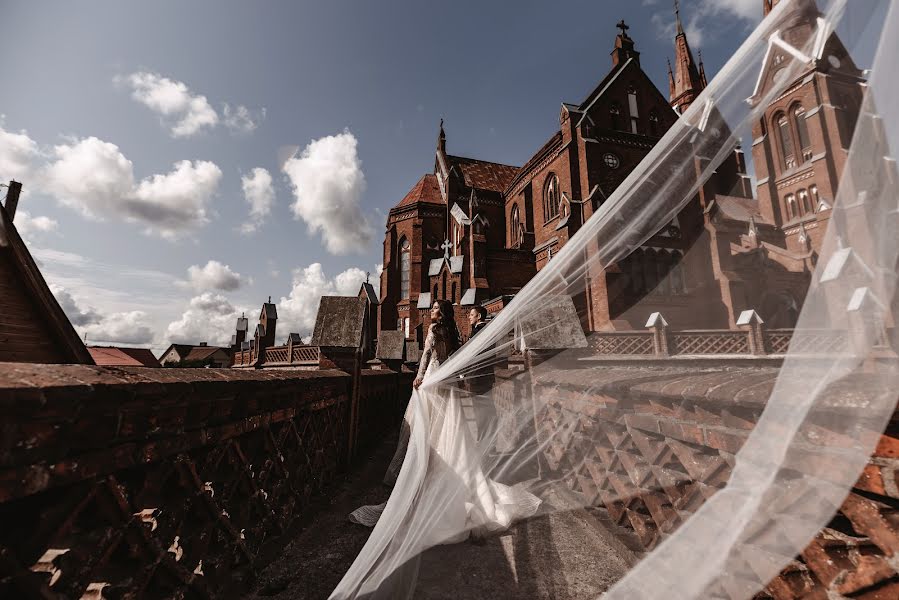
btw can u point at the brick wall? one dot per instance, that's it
(167, 482)
(653, 442)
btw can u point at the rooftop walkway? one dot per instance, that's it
(566, 555)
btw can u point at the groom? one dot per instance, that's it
(480, 381)
(477, 318)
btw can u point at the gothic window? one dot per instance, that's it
(786, 141)
(445, 288)
(453, 298)
(405, 267)
(805, 144)
(790, 203)
(434, 297)
(654, 127)
(632, 108)
(805, 202)
(516, 227)
(551, 198)
(813, 190)
(615, 115)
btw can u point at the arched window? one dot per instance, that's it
(654, 126)
(453, 298)
(405, 267)
(805, 144)
(551, 198)
(615, 115)
(786, 141)
(445, 288)
(790, 204)
(805, 203)
(813, 190)
(632, 108)
(516, 226)
(434, 297)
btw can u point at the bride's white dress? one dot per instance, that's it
(441, 493)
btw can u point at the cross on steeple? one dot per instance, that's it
(367, 275)
(623, 27)
(446, 245)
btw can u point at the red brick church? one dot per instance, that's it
(475, 232)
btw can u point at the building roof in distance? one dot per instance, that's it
(116, 356)
(41, 333)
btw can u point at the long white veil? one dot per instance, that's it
(741, 516)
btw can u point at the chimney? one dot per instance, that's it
(12, 198)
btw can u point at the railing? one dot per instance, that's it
(122, 482)
(754, 341)
(281, 356)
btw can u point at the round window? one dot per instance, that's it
(611, 160)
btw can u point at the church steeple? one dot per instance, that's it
(688, 80)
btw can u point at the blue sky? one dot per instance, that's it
(141, 131)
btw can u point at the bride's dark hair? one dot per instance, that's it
(446, 326)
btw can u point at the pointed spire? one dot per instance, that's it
(688, 82)
(680, 27)
(441, 138)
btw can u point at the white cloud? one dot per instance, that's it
(121, 328)
(128, 327)
(29, 226)
(241, 119)
(95, 178)
(176, 202)
(296, 312)
(208, 318)
(184, 112)
(18, 154)
(78, 315)
(750, 10)
(90, 175)
(214, 276)
(328, 183)
(260, 195)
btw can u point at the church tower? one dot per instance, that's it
(688, 78)
(802, 139)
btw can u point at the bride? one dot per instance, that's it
(441, 493)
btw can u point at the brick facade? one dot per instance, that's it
(725, 252)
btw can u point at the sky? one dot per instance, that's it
(184, 161)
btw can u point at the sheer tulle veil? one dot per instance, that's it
(788, 478)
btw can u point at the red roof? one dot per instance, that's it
(112, 356)
(426, 190)
(202, 352)
(483, 175)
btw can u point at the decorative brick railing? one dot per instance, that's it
(280, 356)
(165, 483)
(652, 443)
(756, 341)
